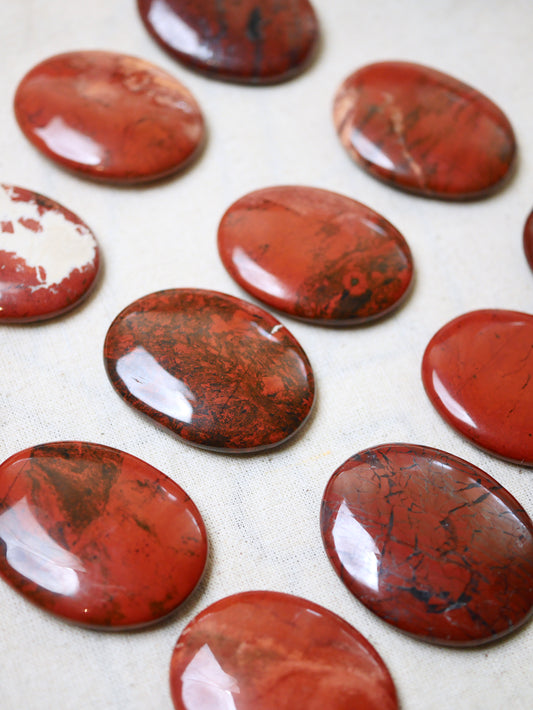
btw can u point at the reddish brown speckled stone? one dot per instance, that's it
(528, 240)
(221, 373)
(109, 116)
(249, 41)
(430, 543)
(48, 257)
(424, 131)
(265, 650)
(478, 373)
(97, 536)
(315, 254)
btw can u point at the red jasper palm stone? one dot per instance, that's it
(430, 543)
(478, 374)
(49, 258)
(264, 650)
(219, 372)
(424, 131)
(97, 536)
(248, 41)
(315, 255)
(109, 116)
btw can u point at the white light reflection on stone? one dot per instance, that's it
(69, 143)
(356, 548)
(148, 381)
(370, 152)
(450, 403)
(205, 686)
(173, 30)
(32, 553)
(256, 275)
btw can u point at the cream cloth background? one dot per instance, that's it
(261, 511)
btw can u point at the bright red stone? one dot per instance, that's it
(315, 254)
(430, 543)
(265, 650)
(219, 372)
(424, 131)
(478, 373)
(109, 116)
(528, 240)
(249, 41)
(97, 536)
(48, 257)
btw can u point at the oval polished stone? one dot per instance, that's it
(97, 536)
(424, 131)
(248, 41)
(109, 116)
(265, 650)
(528, 240)
(315, 255)
(430, 543)
(478, 374)
(48, 257)
(219, 372)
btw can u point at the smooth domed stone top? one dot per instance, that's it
(97, 536)
(315, 254)
(219, 372)
(248, 41)
(430, 543)
(48, 257)
(109, 116)
(478, 373)
(265, 650)
(528, 240)
(424, 131)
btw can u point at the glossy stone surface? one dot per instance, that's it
(430, 543)
(266, 650)
(219, 372)
(109, 116)
(528, 240)
(249, 41)
(315, 254)
(478, 374)
(49, 258)
(97, 536)
(424, 131)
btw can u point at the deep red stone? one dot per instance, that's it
(109, 116)
(430, 543)
(265, 650)
(478, 373)
(315, 254)
(249, 41)
(48, 257)
(97, 536)
(219, 372)
(528, 240)
(424, 131)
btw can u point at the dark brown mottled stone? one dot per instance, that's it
(315, 255)
(528, 240)
(264, 650)
(248, 41)
(97, 536)
(424, 131)
(219, 372)
(430, 543)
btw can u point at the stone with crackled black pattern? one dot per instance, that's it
(248, 41)
(478, 373)
(430, 543)
(97, 536)
(49, 258)
(109, 116)
(315, 255)
(261, 650)
(221, 373)
(424, 131)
